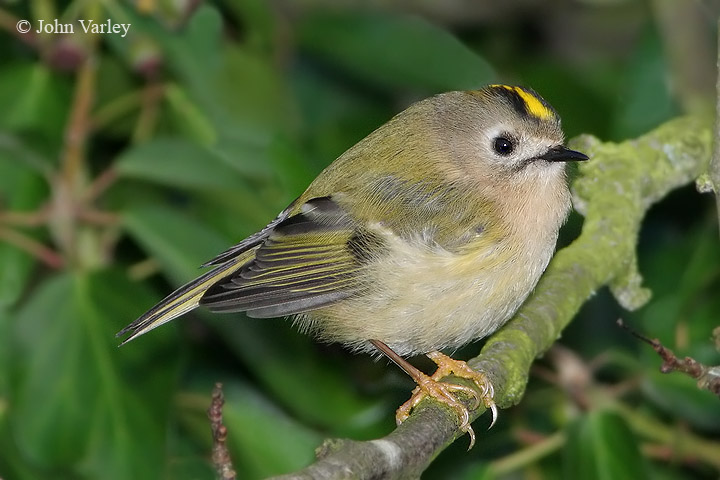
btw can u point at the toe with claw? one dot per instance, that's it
(445, 392)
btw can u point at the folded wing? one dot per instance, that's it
(297, 263)
(309, 260)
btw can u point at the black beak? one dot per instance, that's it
(563, 154)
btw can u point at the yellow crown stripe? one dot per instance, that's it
(535, 106)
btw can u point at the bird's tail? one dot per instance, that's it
(181, 301)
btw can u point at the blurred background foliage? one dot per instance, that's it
(127, 162)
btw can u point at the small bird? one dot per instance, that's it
(426, 235)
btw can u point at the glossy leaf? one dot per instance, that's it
(189, 118)
(258, 431)
(178, 163)
(239, 91)
(677, 394)
(180, 243)
(33, 99)
(396, 51)
(74, 406)
(600, 446)
(646, 100)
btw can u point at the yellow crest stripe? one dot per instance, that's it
(535, 105)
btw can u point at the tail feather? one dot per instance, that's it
(181, 301)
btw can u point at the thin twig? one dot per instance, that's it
(708, 378)
(220, 454)
(78, 127)
(26, 219)
(117, 108)
(98, 217)
(43, 253)
(144, 269)
(99, 185)
(152, 95)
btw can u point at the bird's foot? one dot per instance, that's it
(431, 386)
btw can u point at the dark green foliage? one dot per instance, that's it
(601, 446)
(120, 176)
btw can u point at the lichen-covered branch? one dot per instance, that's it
(714, 167)
(613, 191)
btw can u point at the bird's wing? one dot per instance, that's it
(307, 261)
(297, 263)
(253, 240)
(182, 300)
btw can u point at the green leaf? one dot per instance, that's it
(33, 99)
(647, 99)
(248, 156)
(17, 152)
(258, 19)
(335, 116)
(252, 93)
(189, 118)
(679, 396)
(22, 190)
(81, 404)
(178, 163)
(194, 51)
(601, 446)
(232, 99)
(396, 51)
(293, 170)
(180, 243)
(117, 100)
(241, 92)
(683, 273)
(264, 440)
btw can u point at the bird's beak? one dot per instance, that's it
(563, 154)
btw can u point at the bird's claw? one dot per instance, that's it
(445, 392)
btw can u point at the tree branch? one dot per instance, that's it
(714, 168)
(613, 191)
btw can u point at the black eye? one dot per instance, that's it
(503, 145)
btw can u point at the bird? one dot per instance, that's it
(426, 235)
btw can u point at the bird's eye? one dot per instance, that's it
(503, 145)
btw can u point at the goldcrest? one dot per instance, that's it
(426, 235)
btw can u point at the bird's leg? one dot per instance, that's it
(431, 386)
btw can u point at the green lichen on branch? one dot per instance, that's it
(613, 191)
